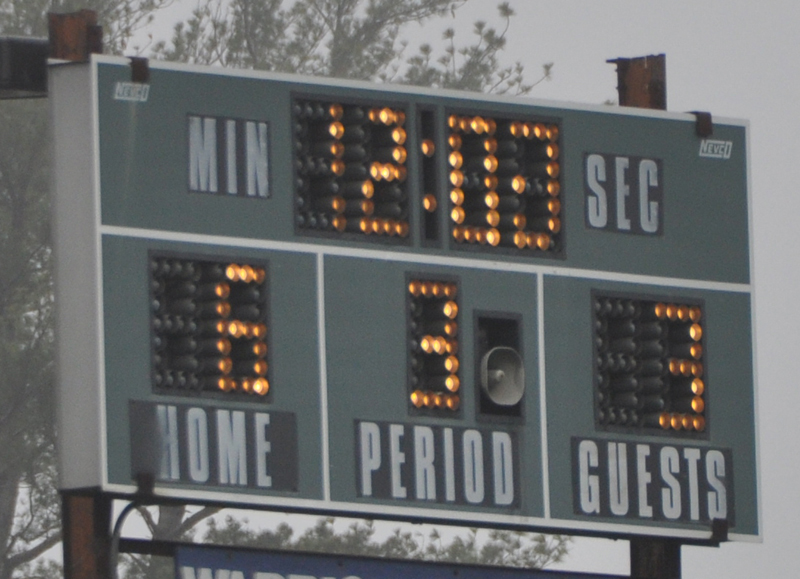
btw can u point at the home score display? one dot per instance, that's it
(335, 297)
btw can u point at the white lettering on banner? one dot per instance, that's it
(635, 205)
(430, 463)
(589, 483)
(672, 483)
(232, 447)
(188, 572)
(244, 150)
(203, 154)
(197, 435)
(207, 445)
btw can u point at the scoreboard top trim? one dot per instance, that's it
(410, 90)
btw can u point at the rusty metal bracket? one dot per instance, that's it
(642, 81)
(703, 126)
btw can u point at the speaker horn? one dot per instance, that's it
(503, 376)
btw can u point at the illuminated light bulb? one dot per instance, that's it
(464, 125)
(520, 240)
(696, 351)
(660, 310)
(490, 182)
(260, 386)
(553, 169)
(664, 420)
(457, 214)
(428, 147)
(415, 288)
(481, 236)
(696, 332)
(417, 398)
(452, 383)
(427, 289)
(232, 272)
(222, 309)
(489, 145)
(428, 400)
(552, 151)
(438, 400)
(519, 184)
(378, 226)
(439, 345)
(457, 196)
(426, 344)
(337, 167)
(453, 121)
(517, 129)
(477, 125)
(402, 228)
(458, 233)
(696, 369)
(454, 141)
(554, 206)
(452, 347)
(684, 368)
(491, 126)
(259, 349)
(260, 367)
(455, 159)
(452, 402)
(699, 423)
(236, 329)
(336, 130)
(438, 289)
(450, 309)
(554, 224)
(698, 405)
(493, 237)
(399, 135)
(456, 178)
(226, 384)
(451, 364)
(335, 111)
(223, 346)
(225, 365)
(683, 313)
(399, 154)
(450, 328)
(686, 422)
(491, 200)
(490, 163)
(471, 234)
(672, 312)
(247, 385)
(528, 130)
(695, 314)
(399, 117)
(544, 241)
(400, 172)
(676, 421)
(387, 172)
(552, 133)
(365, 225)
(390, 227)
(697, 387)
(451, 290)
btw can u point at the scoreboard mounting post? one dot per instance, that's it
(322, 296)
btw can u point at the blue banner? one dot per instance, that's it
(199, 562)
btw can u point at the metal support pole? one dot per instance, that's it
(654, 558)
(86, 518)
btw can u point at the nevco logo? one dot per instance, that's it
(131, 91)
(716, 149)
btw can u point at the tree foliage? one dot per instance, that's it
(501, 548)
(357, 39)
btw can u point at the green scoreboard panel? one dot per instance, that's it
(336, 297)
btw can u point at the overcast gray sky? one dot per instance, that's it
(734, 58)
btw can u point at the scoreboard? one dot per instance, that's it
(325, 296)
